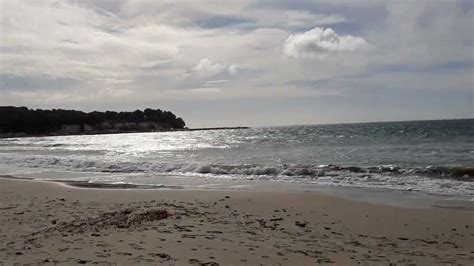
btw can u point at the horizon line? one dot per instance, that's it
(341, 123)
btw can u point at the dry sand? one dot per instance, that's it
(51, 223)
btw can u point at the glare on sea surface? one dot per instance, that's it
(135, 144)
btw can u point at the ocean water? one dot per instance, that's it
(435, 157)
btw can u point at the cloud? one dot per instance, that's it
(34, 83)
(119, 54)
(319, 42)
(295, 18)
(217, 81)
(207, 68)
(204, 90)
(70, 41)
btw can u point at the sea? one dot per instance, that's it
(428, 157)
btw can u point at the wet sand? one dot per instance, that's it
(49, 223)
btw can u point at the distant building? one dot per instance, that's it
(118, 126)
(71, 129)
(162, 126)
(147, 125)
(87, 128)
(130, 125)
(104, 126)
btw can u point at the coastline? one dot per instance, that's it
(226, 227)
(56, 134)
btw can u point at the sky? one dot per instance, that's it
(242, 63)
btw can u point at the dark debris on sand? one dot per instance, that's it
(126, 218)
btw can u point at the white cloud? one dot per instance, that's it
(319, 41)
(68, 40)
(204, 90)
(217, 81)
(207, 68)
(233, 69)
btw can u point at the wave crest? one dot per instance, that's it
(279, 170)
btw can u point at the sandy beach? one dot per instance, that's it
(51, 223)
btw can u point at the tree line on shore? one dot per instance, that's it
(29, 121)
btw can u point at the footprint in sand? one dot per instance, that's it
(198, 262)
(135, 246)
(162, 256)
(102, 255)
(63, 249)
(124, 253)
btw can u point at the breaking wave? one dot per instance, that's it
(431, 179)
(258, 170)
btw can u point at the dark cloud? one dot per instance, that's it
(433, 68)
(220, 21)
(363, 17)
(29, 83)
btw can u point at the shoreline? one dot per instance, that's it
(228, 227)
(59, 134)
(371, 195)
